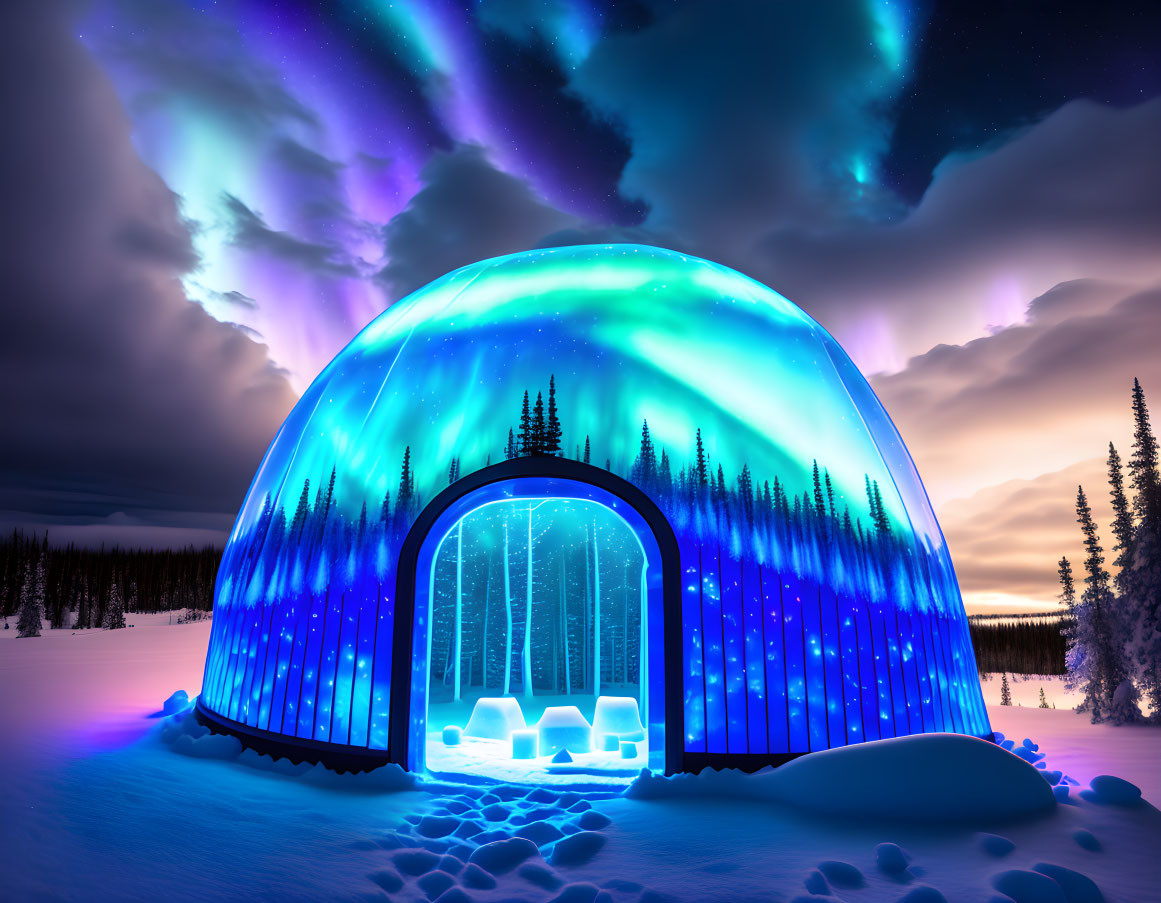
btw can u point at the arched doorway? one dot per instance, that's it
(537, 612)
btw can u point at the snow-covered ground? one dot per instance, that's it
(97, 805)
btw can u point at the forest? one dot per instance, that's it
(1113, 628)
(75, 588)
(555, 564)
(1021, 644)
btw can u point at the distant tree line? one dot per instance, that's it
(1114, 625)
(77, 588)
(1033, 645)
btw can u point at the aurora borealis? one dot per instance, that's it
(207, 202)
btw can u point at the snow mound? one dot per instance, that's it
(189, 737)
(178, 702)
(1028, 887)
(494, 718)
(923, 893)
(578, 848)
(1077, 888)
(1112, 791)
(995, 845)
(502, 856)
(926, 778)
(841, 874)
(891, 858)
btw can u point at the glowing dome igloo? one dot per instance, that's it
(593, 473)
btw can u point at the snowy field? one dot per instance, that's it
(105, 800)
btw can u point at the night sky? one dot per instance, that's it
(202, 203)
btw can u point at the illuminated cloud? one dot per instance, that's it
(467, 211)
(129, 406)
(1072, 197)
(1037, 402)
(744, 117)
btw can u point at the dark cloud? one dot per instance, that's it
(467, 211)
(1073, 197)
(179, 52)
(304, 161)
(746, 115)
(250, 232)
(123, 401)
(1028, 399)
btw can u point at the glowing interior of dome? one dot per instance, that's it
(583, 589)
(818, 604)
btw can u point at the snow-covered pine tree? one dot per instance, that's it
(115, 609)
(1112, 692)
(39, 578)
(1122, 522)
(1043, 699)
(1074, 654)
(1005, 690)
(1144, 584)
(31, 607)
(83, 606)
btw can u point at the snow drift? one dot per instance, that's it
(930, 778)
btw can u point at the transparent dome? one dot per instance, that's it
(731, 409)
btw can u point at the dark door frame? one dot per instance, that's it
(402, 650)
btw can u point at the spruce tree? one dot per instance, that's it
(645, 467)
(406, 493)
(702, 466)
(115, 609)
(303, 510)
(552, 431)
(1122, 521)
(588, 451)
(819, 504)
(511, 450)
(1043, 699)
(1107, 684)
(1144, 582)
(1005, 690)
(1143, 465)
(31, 607)
(746, 494)
(539, 427)
(524, 437)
